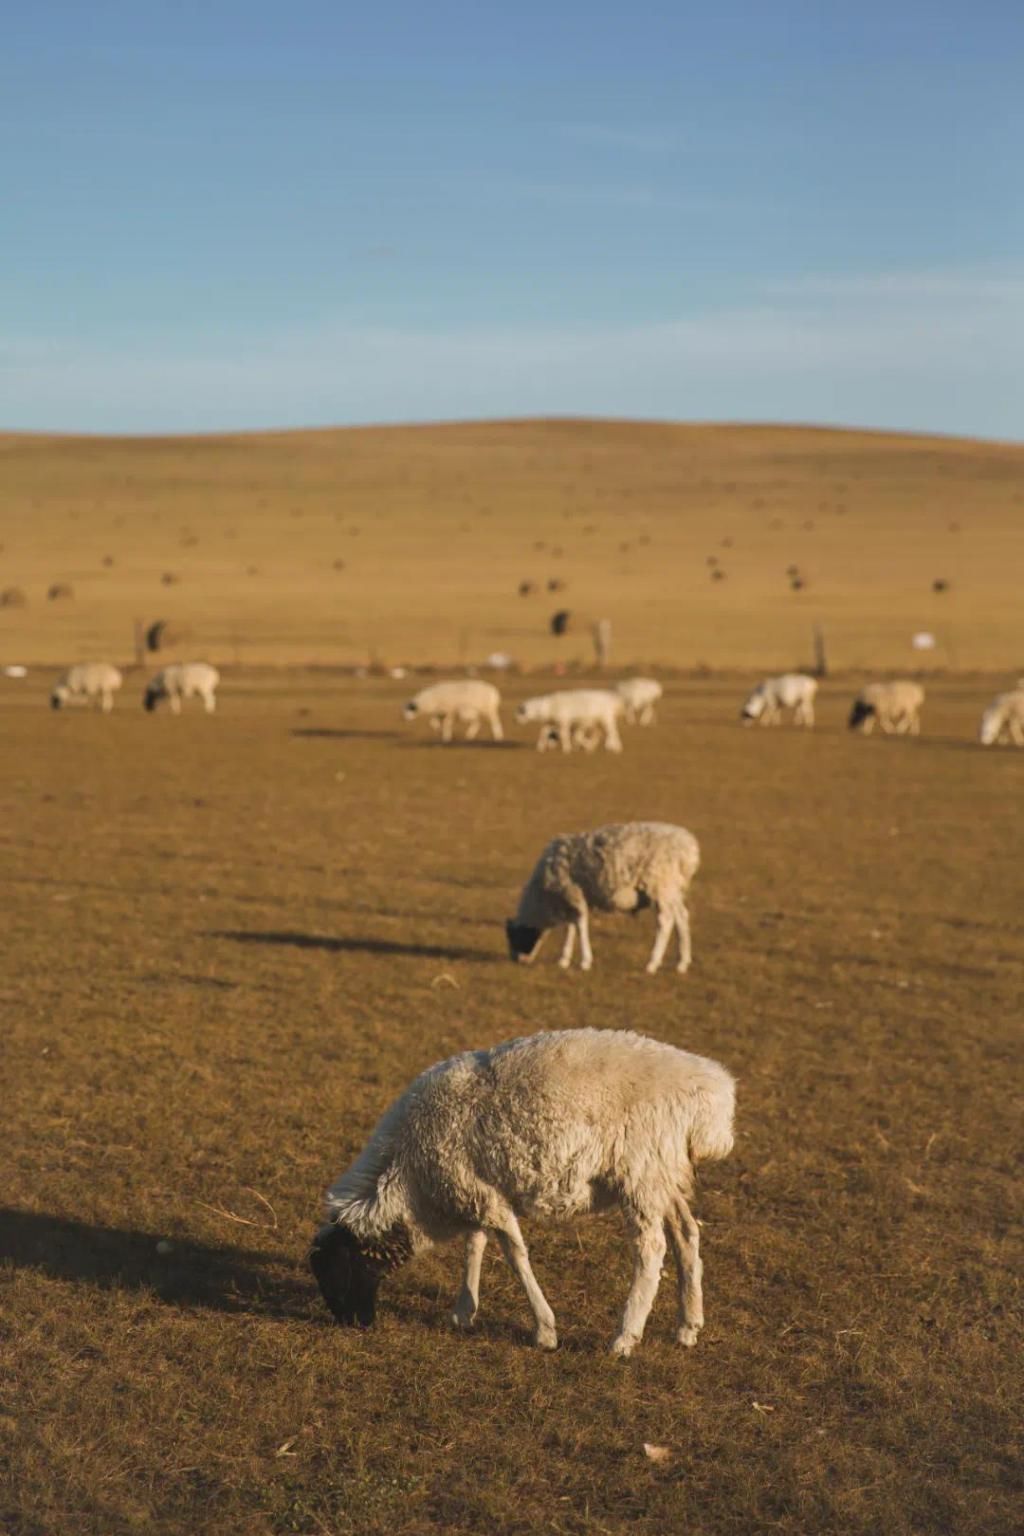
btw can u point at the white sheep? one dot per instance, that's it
(793, 690)
(183, 680)
(91, 682)
(639, 696)
(576, 714)
(896, 706)
(552, 1125)
(465, 698)
(619, 868)
(1004, 719)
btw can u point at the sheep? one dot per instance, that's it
(465, 698)
(91, 682)
(553, 1125)
(183, 680)
(1004, 719)
(639, 696)
(575, 712)
(793, 690)
(896, 706)
(619, 868)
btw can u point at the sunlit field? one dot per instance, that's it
(230, 941)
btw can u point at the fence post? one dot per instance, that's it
(820, 659)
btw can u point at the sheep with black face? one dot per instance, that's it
(91, 682)
(553, 1125)
(620, 868)
(183, 680)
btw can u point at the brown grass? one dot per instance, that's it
(225, 947)
(411, 544)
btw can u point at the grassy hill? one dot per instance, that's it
(409, 544)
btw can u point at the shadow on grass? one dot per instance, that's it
(350, 946)
(343, 735)
(203, 1275)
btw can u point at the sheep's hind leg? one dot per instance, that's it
(514, 1249)
(684, 1235)
(666, 921)
(473, 728)
(468, 1301)
(650, 1253)
(495, 724)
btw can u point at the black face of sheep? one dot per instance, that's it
(859, 713)
(411, 710)
(56, 700)
(151, 699)
(348, 1280)
(522, 941)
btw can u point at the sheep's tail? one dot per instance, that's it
(713, 1107)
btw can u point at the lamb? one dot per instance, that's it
(896, 706)
(639, 696)
(555, 1125)
(578, 712)
(183, 680)
(793, 690)
(619, 868)
(1004, 718)
(465, 698)
(91, 682)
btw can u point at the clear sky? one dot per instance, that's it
(237, 213)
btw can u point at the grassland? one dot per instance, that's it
(410, 544)
(229, 942)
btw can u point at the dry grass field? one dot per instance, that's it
(410, 544)
(229, 942)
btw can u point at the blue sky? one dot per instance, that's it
(227, 214)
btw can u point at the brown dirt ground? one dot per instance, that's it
(435, 527)
(229, 942)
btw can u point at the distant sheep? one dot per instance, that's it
(576, 714)
(59, 590)
(554, 1124)
(896, 706)
(639, 696)
(619, 868)
(464, 698)
(1004, 719)
(91, 682)
(793, 690)
(183, 680)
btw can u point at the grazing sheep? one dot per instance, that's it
(91, 682)
(465, 698)
(575, 712)
(183, 680)
(615, 869)
(793, 690)
(553, 1125)
(896, 706)
(639, 696)
(1004, 719)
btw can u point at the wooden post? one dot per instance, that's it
(820, 659)
(602, 633)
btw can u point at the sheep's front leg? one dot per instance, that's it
(565, 735)
(473, 728)
(210, 703)
(468, 1301)
(175, 703)
(514, 1249)
(565, 958)
(446, 727)
(586, 953)
(1016, 728)
(684, 1235)
(666, 921)
(495, 723)
(612, 739)
(650, 1254)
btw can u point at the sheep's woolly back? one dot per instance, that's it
(893, 697)
(554, 1124)
(639, 691)
(614, 868)
(91, 677)
(181, 676)
(572, 704)
(459, 693)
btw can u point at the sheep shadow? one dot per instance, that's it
(342, 735)
(349, 946)
(205, 1276)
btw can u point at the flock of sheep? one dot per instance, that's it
(566, 1122)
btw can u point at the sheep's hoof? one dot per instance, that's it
(682, 967)
(687, 1336)
(563, 965)
(652, 970)
(586, 965)
(546, 1338)
(623, 1346)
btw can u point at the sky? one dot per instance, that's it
(225, 214)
